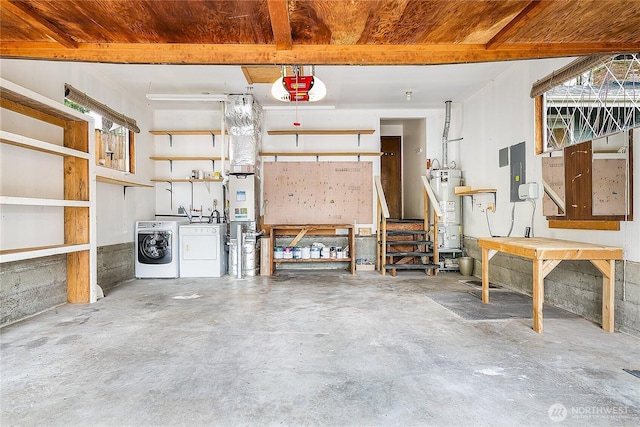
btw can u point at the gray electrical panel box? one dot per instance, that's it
(517, 157)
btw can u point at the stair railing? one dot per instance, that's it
(381, 232)
(431, 199)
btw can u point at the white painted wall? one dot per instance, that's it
(414, 166)
(41, 176)
(187, 145)
(502, 114)
(394, 121)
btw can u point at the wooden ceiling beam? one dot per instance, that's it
(31, 17)
(530, 11)
(245, 54)
(279, 14)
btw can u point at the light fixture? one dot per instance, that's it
(408, 93)
(298, 87)
(186, 97)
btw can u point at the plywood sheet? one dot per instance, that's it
(552, 174)
(609, 186)
(318, 192)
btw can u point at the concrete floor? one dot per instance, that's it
(317, 349)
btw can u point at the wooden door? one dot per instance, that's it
(391, 173)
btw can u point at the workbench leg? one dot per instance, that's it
(538, 294)
(608, 297)
(485, 275)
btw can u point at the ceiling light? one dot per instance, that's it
(408, 93)
(185, 97)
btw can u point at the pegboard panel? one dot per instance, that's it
(318, 192)
(552, 174)
(609, 187)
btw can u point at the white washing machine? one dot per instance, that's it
(202, 250)
(156, 247)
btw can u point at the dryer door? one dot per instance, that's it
(154, 247)
(201, 247)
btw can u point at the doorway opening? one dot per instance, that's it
(403, 144)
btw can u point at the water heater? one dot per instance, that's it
(443, 183)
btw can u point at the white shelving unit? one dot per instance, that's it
(79, 187)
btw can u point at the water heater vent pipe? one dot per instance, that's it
(445, 135)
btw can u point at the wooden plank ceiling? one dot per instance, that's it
(348, 32)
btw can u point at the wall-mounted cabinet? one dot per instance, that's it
(78, 201)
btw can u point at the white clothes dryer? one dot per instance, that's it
(156, 248)
(203, 250)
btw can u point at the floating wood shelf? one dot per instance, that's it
(322, 132)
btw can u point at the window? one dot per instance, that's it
(601, 98)
(114, 132)
(586, 115)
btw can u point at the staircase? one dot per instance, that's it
(407, 247)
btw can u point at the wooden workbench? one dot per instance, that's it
(546, 255)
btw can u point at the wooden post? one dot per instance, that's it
(485, 275)
(608, 297)
(76, 219)
(378, 241)
(384, 245)
(608, 270)
(436, 256)
(538, 294)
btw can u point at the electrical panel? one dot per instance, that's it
(517, 167)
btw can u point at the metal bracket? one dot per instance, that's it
(213, 137)
(358, 140)
(170, 165)
(170, 190)
(276, 157)
(191, 182)
(170, 140)
(297, 135)
(317, 158)
(358, 157)
(213, 165)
